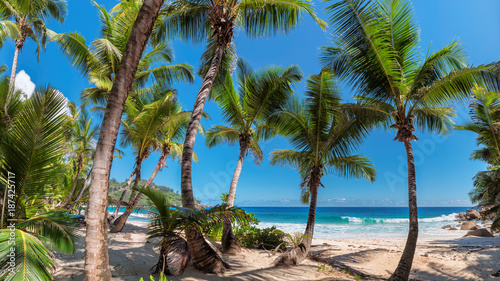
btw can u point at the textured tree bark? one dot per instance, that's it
(203, 256)
(135, 200)
(122, 197)
(230, 244)
(70, 208)
(96, 246)
(11, 83)
(73, 187)
(298, 254)
(402, 272)
(236, 177)
(19, 46)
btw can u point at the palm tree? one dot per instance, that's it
(246, 110)
(96, 247)
(82, 139)
(375, 50)
(153, 122)
(485, 114)
(100, 60)
(31, 151)
(216, 21)
(30, 18)
(168, 223)
(323, 135)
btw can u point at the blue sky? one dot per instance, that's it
(444, 171)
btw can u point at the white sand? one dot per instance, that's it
(451, 258)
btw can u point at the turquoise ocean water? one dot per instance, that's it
(351, 222)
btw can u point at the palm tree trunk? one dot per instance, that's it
(19, 46)
(70, 208)
(402, 272)
(230, 244)
(298, 254)
(96, 245)
(204, 257)
(79, 169)
(127, 186)
(120, 221)
(135, 200)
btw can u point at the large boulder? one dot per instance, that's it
(468, 225)
(472, 214)
(482, 232)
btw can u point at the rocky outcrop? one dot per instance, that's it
(482, 232)
(472, 214)
(468, 225)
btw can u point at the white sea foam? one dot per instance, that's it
(442, 218)
(362, 227)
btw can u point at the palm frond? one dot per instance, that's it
(267, 17)
(354, 166)
(33, 261)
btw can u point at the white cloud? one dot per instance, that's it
(24, 84)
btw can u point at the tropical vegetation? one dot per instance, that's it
(376, 52)
(324, 134)
(485, 122)
(246, 108)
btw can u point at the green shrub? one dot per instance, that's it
(267, 238)
(214, 230)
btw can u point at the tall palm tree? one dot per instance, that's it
(324, 135)
(31, 151)
(246, 108)
(96, 247)
(485, 115)
(99, 60)
(153, 122)
(216, 21)
(82, 139)
(376, 51)
(31, 17)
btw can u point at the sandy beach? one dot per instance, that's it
(450, 258)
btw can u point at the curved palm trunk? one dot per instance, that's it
(79, 169)
(298, 254)
(70, 208)
(230, 244)
(134, 200)
(96, 246)
(402, 272)
(120, 221)
(204, 257)
(122, 197)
